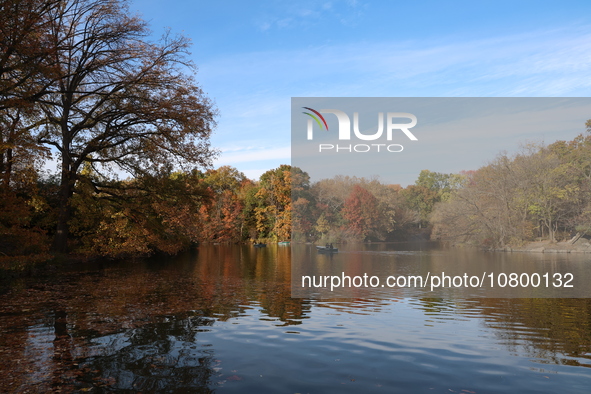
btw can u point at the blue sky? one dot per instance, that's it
(253, 56)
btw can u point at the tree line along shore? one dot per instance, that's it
(85, 86)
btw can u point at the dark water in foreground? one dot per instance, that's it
(222, 320)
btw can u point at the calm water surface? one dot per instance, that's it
(221, 319)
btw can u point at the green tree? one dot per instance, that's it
(576, 155)
(550, 190)
(274, 211)
(421, 200)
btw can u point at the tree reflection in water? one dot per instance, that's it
(187, 324)
(163, 356)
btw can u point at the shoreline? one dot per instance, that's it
(581, 246)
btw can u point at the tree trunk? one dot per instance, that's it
(60, 241)
(6, 161)
(551, 231)
(2, 169)
(7, 170)
(576, 238)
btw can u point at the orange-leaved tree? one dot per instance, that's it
(118, 101)
(361, 212)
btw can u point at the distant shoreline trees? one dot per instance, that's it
(543, 192)
(81, 81)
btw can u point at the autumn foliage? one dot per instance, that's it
(360, 210)
(83, 83)
(540, 193)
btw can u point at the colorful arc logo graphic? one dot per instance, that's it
(315, 118)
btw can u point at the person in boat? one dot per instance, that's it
(327, 246)
(330, 246)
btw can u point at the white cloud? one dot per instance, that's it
(255, 174)
(233, 156)
(253, 90)
(391, 68)
(304, 14)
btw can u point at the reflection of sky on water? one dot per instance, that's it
(427, 261)
(346, 345)
(228, 324)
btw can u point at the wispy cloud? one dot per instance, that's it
(254, 158)
(254, 89)
(444, 67)
(254, 154)
(300, 15)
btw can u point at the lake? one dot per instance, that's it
(221, 319)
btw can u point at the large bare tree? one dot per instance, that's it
(118, 101)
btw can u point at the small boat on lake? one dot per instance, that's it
(283, 243)
(326, 249)
(260, 245)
